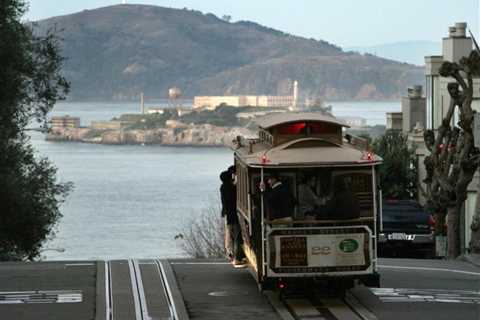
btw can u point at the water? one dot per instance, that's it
(131, 201)
(373, 111)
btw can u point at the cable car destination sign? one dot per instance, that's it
(319, 250)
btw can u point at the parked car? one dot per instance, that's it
(406, 229)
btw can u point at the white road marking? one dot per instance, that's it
(430, 269)
(427, 295)
(200, 263)
(44, 296)
(79, 264)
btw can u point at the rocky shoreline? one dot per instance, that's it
(204, 135)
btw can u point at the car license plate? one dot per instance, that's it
(401, 236)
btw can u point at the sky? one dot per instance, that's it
(342, 22)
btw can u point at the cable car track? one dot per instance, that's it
(137, 301)
(301, 307)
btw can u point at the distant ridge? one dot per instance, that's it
(118, 51)
(413, 52)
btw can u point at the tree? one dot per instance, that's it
(203, 236)
(453, 157)
(30, 85)
(227, 18)
(398, 172)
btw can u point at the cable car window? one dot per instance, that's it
(293, 128)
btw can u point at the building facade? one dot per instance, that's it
(212, 102)
(64, 122)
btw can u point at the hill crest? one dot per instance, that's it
(118, 51)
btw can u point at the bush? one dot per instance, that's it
(203, 236)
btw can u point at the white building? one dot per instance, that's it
(212, 102)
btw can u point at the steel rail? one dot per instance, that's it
(108, 291)
(135, 291)
(299, 307)
(140, 291)
(174, 299)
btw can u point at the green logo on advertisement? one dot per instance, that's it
(349, 245)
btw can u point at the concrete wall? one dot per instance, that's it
(211, 102)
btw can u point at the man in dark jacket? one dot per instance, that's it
(279, 201)
(233, 235)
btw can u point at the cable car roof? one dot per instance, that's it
(275, 119)
(295, 154)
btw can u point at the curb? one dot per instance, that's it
(472, 258)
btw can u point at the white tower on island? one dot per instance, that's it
(295, 95)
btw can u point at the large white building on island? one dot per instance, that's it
(212, 102)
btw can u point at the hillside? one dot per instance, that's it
(413, 52)
(116, 52)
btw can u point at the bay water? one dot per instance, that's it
(131, 201)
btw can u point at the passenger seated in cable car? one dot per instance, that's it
(279, 202)
(309, 203)
(343, 204)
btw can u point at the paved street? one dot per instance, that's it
(424, 289)
(212, 289)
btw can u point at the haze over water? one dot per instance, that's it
(131, 201)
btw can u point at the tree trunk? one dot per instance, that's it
(475, 237)
(440, 224)
(453, 234)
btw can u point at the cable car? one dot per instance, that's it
(333, 239)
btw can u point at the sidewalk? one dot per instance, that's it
(471, 258)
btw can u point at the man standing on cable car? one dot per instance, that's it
(279, 201)
(228, 195)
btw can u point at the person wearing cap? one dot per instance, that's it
(279, 201)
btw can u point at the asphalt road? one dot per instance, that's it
(411, 289)
(42, 290)
(424, 289)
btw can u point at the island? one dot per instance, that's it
(163, 126)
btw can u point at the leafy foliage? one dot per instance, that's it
(30, 84)
(223, 115)
(398, 173)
